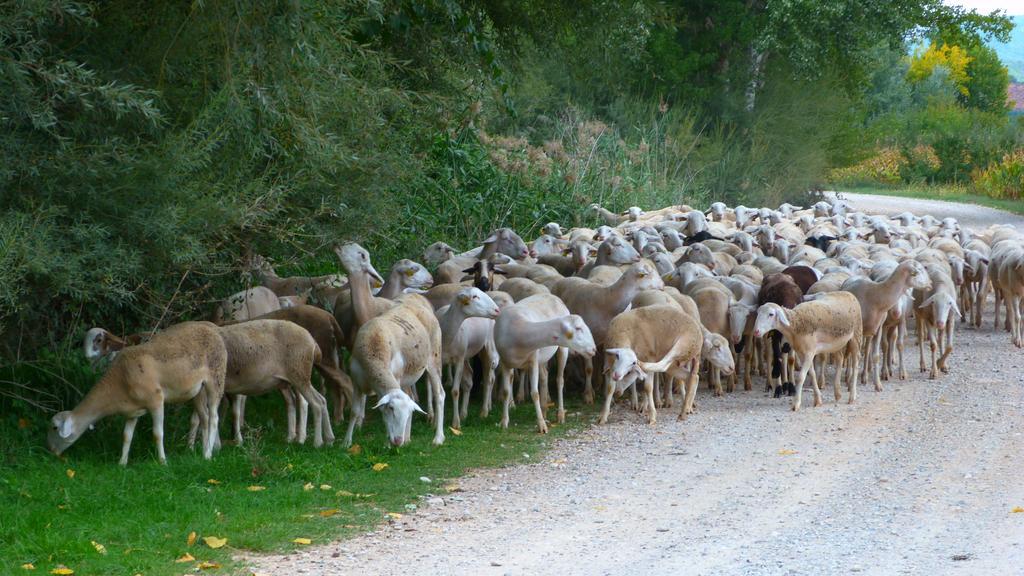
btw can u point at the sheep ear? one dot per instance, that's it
(491, 239)
(783, 318)
(464, 278)
(65, 425)
(469, 270)
(499, 270)
(382, 401)
(417, 408)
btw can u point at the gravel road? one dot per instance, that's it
(920, 478)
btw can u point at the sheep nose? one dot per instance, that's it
(396, 441)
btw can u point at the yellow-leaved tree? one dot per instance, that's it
(949, 56)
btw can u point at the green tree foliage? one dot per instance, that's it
(989, 80)
(145, 146)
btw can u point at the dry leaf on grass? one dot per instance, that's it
(213, 481)
(380, 466)
(308, 486)
(455, 431)
(99, 547)
(186, 558)
(355, 450)
(303, 541)
(1017, 510)
(62, 571)
(395, 515)
(214, 542)
(191, 538)
(207, 565)
(256, 488)
(329, 512)
(326, 487)
(28, 566)
(70, 473)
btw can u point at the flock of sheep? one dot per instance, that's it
(657, 298)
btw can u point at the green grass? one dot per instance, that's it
(143, 513)
(946, 193)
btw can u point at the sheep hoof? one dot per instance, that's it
(542, 428)
(438, 440)
(817, 402)
(561, 416)
(794, 407)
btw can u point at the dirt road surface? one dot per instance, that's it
(920, 478)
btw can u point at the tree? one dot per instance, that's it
(953, 59)
(988, 80)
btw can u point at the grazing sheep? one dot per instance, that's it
(829, 324)
(391, 352)
(185, 362)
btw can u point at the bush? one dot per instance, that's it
(1003, 179)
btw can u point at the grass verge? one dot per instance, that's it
(88, 514)
(945, 193)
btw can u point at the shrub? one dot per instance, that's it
(885, 167)
(1003, 179)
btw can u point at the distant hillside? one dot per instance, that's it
(1012, 53)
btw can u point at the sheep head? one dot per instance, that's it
(475, 303)
(618, 251)
(770, 317)
(63, 432)
(506, 241)
(437, 252)
(717, 351)
(622, 366)
(412, 275)
(575, 335)
(396, 407)
(356, 260)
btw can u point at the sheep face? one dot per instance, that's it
(96, 344)
(545, 244)
(476, 304)
(622, 366)
(603, 233)
(942, 305)
(63, 432)
(770, 317)
(397, 407)
(413, 275)
(576, 336)
(716, 350)
(646, 277)
(739, 314)
(918, 278)
(355, 259)
(553, 229)
(619, 251)
(508, 242)
(437, 252)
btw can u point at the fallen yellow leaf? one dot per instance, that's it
(212, 481)
(344, 493)
(326, 487)
(395, 515)
(355, 450)
(455, 431)
(214, 542)
(1017, 510)
(186, 558)
(256, 488)
(62, 571)
(28, 566)
(207, 565)
(787, 452)
(191, 538)
(379, 466)
(308, 486)
(303, 541)
(70, 473)
(99, 547)
(329, 512)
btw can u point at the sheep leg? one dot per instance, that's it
(562, 356)
(920, 341)
(289, 409)
(542, 426)
(748, 358)
(193, 429)
(634, 401)
(157, 414)
(669, 383)
(652, 412)
(876, 343)
(434, 384)
(853, 354)
(588, 390)
(238, 414)
(931, 346)
(998, 294)
(814, 383)
(837, 379)
(356, 417)
(521, 388)
(456, 392)
(716, 379)
(127, 435)
(1015, 320)
(691, 389)
(609, 395)
(213, 423)
(464, 408)
(805, 366)
(542, 387)
(901, 336)
(506, 386)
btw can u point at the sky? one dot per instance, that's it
(1012, 7)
